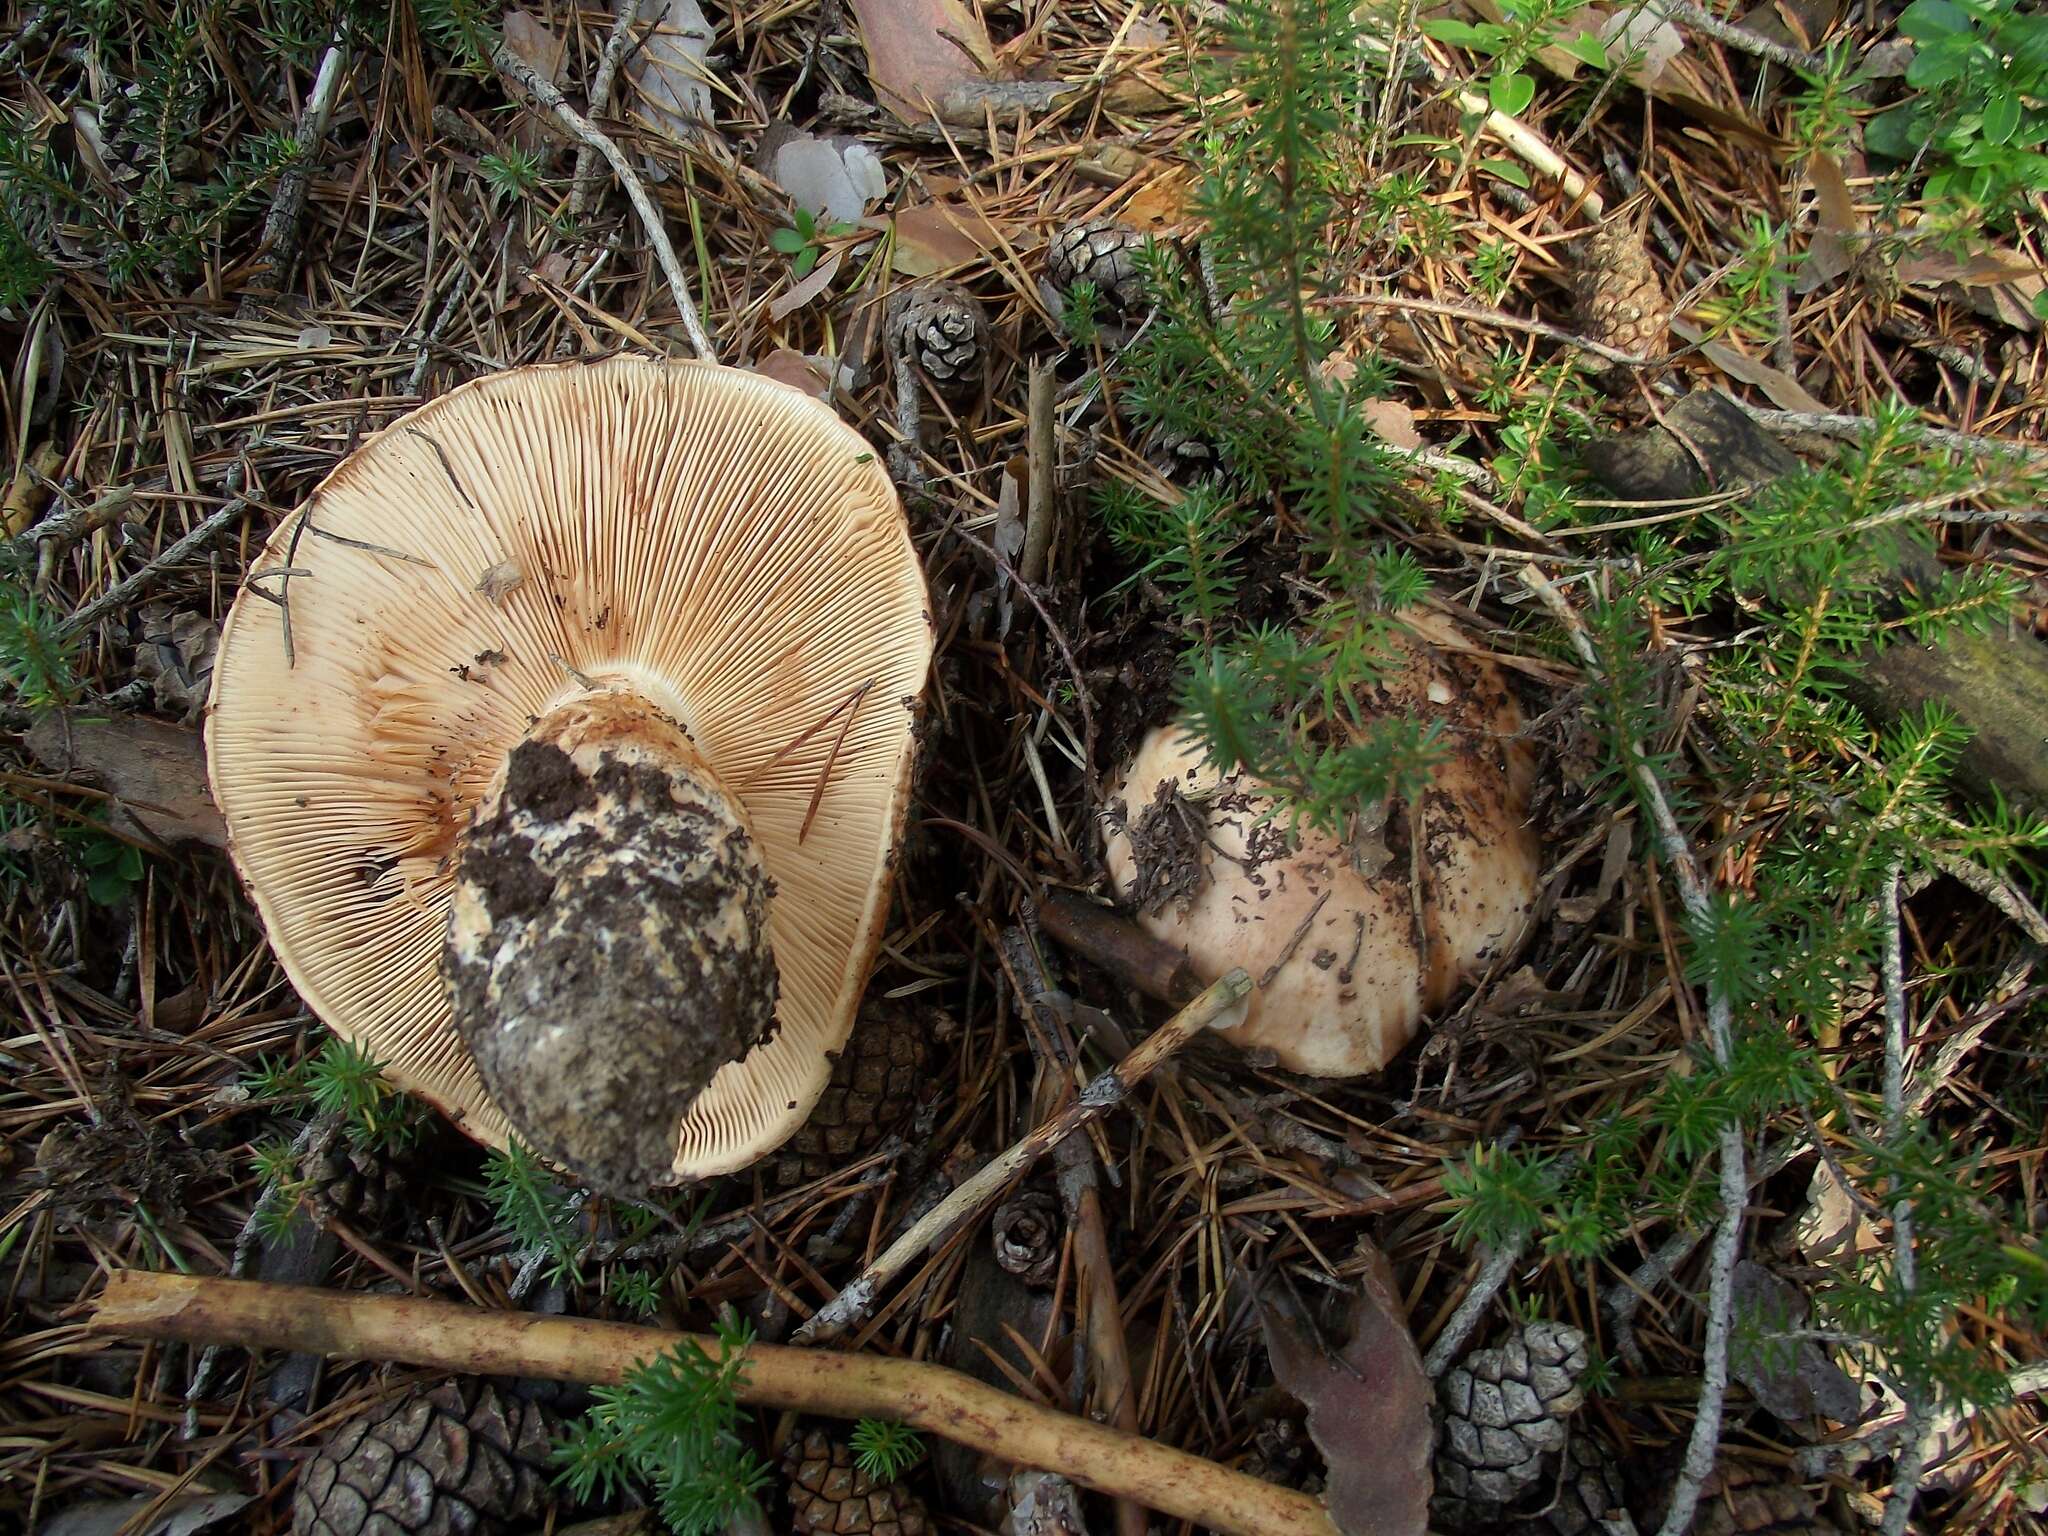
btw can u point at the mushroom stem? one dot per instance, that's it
(607, 949)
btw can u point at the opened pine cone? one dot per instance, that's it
(1103, 252)
(459, 1460)
(1504, 1420)
(361, 1185)
(940, 329)
(1741, 1500)
(1585, 1497)
(1621, 302)
(873, 1089)
(828, 1493)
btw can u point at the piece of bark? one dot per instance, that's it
(1119, 946)
(1997, 684)
(156, 772)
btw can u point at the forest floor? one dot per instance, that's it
(188, 352)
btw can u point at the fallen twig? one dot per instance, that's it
(1044, 461)
(1119, 946)
(1905, 1266)
(1218, 1006)
(1856, 428)
(1448, 1345)
(122, 592)
(1702, 1447)
(447, 1336)
(530, 80)
(599, 101)
(280, 244)
(1755, 44)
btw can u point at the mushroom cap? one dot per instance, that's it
(1340, 984)
(718, 543)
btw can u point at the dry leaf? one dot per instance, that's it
(1369, 1404)
(1644, 40)
(936, 237)
(1392, 421)
(155, 771)
(1793, 1379)
(812, 375)
(832, 179)
(920, 49)
(176, 657)
(1784, 391)
(535, 44)
(500, 581)
(817, 282)
(1981, 268)
(669, 72)
(118, 1517)
(1828, 254)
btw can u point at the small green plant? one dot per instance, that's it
(1492, 270)
(885, 1449)
(803, 242)
(635, 1291)
(511, 172)
(112, 867)
(1980, 123)
(35, 654)
(343, 1080)
(673, 1426)
(534, 1208)
(465, 32)
(1082, 317)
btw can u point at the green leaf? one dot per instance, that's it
(1939, 62)
(806, 259)
(1924, 20)
(1894, 134)
(2001, 117)
(1511, 94)
(2041, 304)
(1460, 34)
(787, 241)
(1587, 49)
(107, 890)
(1508, 171)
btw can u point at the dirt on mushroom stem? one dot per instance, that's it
(608, 947)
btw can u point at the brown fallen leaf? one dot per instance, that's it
(812, 375)
(1784, 391)
(1392, 421)
(155, 771)
(1790, 1375)
(918, 50)
(1369, 1404)
(937, 237)
(536, 44)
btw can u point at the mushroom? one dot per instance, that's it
(1348, 944)
(568, 779)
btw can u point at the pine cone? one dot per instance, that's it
(874, 1087)
(940, 328)
(1621, 303)
(828, 1492)
(459, 1460)
(1504, 1417)
(1103, 252)
(361, 1185)
(1740, 1500)
(1584, 1497)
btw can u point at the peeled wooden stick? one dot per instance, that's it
(450, 1337)
(1219, 1006)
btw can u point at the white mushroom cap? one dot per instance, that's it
(710, 541)
(1340, 982)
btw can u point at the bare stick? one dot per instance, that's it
(528, 79)
(1218, 1006)
(446, 1336)
(1502, 320)
(32, 28)
(1044, 461)
(456, 289)
(72, 523)
(600, 100)
(1449, 1344)
(1855, 428)
(1906, 1271)
(281, 228)
(1700, 19)
(122, 592)
(1119, 946)
(1701, 1449)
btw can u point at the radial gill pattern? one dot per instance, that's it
(718, 541)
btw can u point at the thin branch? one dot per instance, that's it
(122, 592)
(449, 1337)
(1044, 461)
(1905, 1271)
(1218, 1007)
(1755, 44)
(1449, 1344)
(1856, 428)
(530, 80)
(1701, 1449)
(1501, 320)
(280, 243)
(600, 100)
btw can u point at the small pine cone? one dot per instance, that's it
(828, 1492)
(1027, 1233)
(1103, 252)
(1584, 1497)
(1741, 1500)
(874, 1087)
(361, 1185)
(459, 1460)
(940, 327)
(1621, 303)
(1504, 1418)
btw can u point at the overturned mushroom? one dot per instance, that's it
(1349, 945)
(573, 796)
